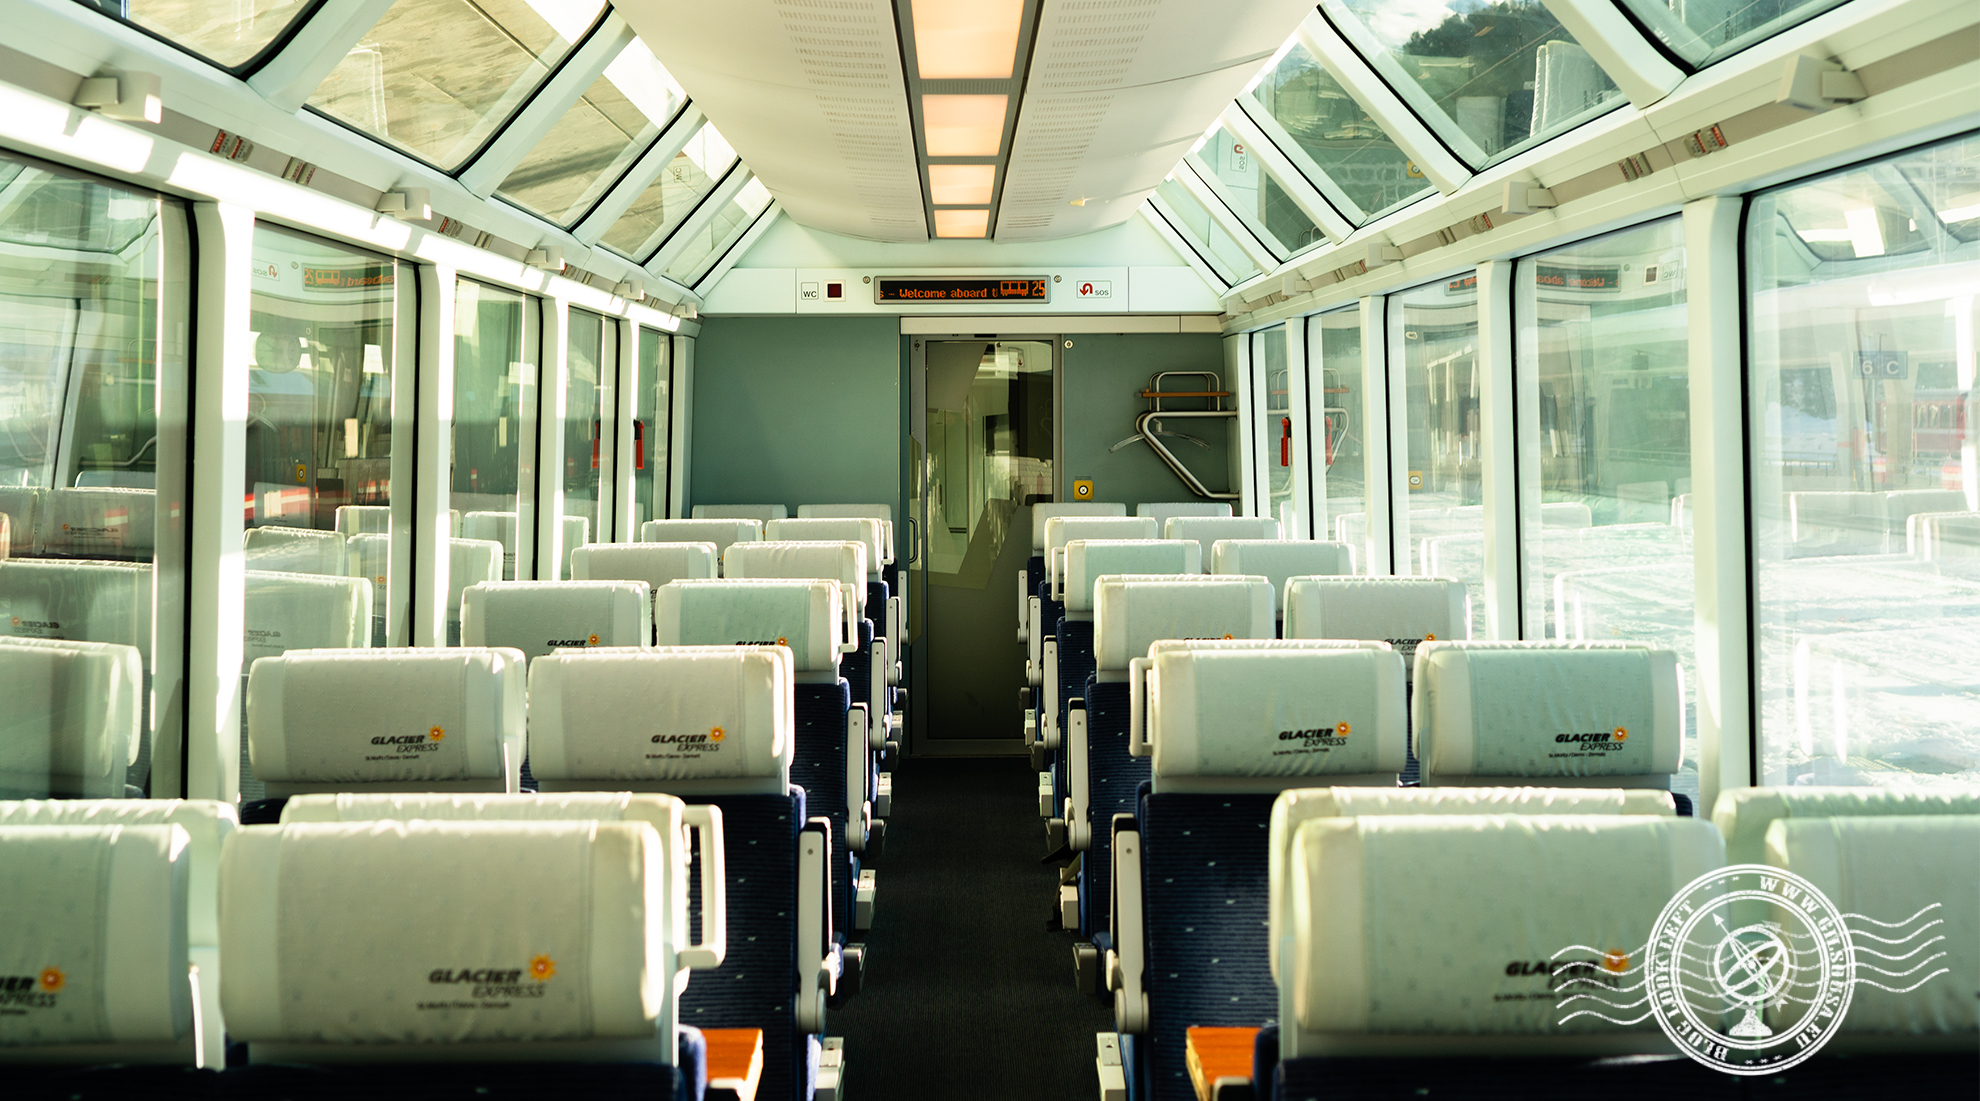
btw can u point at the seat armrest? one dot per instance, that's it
(1048, 715)
(857, 768)
(1024, 597)
(1079, 832)
(1127, 959)
(818, 959)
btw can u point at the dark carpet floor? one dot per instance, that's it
(967, 994)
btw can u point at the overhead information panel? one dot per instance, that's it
(1024, 289)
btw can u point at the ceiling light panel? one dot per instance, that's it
(966, 39)
(963, 126)
(962, 223)
(961, 184)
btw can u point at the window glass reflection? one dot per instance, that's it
(704, 250)
(651, 436)
(1703, 31)
(1216, 247)
(1604, 406)
(494, 456)
(82, 536)
(227, 32)
(437, 77)
(660, 209)
(1275, 428)
(1239, 177)
(1492, 79)
(1327, 134)
(1433, 334)
(593, 355)
(1865, 497)
(1340, 457)
(597, 139)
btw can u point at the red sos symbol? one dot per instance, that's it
(1086, 288)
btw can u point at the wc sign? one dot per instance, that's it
(1095, 288)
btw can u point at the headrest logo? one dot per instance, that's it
(1318, 739)
(52, 980)
(716, 734)
(783, 642)
(1615, 961)
(542, 968)
(593, 641)
(1227, 636)
(1431, 637)
(435, 734)
(1341, 729)
(1622, 734)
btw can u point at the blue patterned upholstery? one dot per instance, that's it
(1204, 877)
(1113, 779)
(819, 767)
(1075, 668)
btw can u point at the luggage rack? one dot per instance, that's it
(1146, 424)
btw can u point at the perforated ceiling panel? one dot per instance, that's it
(810, 94)
(1119, 90)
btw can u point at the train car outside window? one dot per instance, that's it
(1433, 338)
(1866, 503)
(1603, 399)
(1275, 427)
(593, 352)
(1331, 139)
(1339, 455)
(496, 334)
(651, 430)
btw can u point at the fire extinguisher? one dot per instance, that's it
(1285, 441)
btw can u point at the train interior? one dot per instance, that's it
(1149, 550)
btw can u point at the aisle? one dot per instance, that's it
(968, 996)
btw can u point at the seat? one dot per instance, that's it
(1034, 573)
(583, 967)
(296, 550)
(73, 716)
(1060, 663)
(369, 555)
(1162, 511)
(1281, 560)
(1908, 886)
(1103, 776)
(364, 519)
(79, 601)
(830, 761)
(1207, 530)
(538, 617)
(97, 522)
(1402, 611)
(762, 514)
(470, 562)
(301, 611)
(722, 533)
(207, 824)
(420, 720)
(95, 954)
(21, 505)
(654, 563)
(496, 527)
(1744, 815)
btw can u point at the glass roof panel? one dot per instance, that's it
(437, 77)
(597, 139)
(693, 174)
(1239, 178)
(713, 239)
(226, 32)
(1328, 136)
(1703, 31)
(1218, 248)
(1491, 79)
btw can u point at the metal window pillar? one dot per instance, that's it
(433, 459)
(553, 387)
(1301, 408)
(625, 461)
(399, 569)
(1497, 473)
(680, 435)
(1237, 376)
(1383, 458)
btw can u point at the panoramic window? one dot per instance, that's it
(496, 333)
(1702, 33)
(1433, 337)
(84, 540)
(1603, 393)
(1339, 457)
(1239, 177)
(651, 439)
(1278, 488)
(701, 252)
(1213, 245)
(661, 208)
(1491, 78)
(591, 147)
(229, 33)
(1865, 500)
(438, 77)
(593, 357)
(1327, 135)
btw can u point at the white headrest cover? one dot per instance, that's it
(364, 519)
(1163, 510)
(1060, 530)
(719, 532)
(1280, 560)
(759, 513)
(422, 932)
(1208, 529)
(654, 563)
(78, 601)
(537, 617)
(1744, 814)
(98, 522)
(1399, 610)
(1130, 613)
(869, 533)
(1404, 924)
(1542, 710)
(1087, 559)
(369, 555)
(470, 562)
(95, 944)
(1276, 712)
(843, 562)
(803, 615)
(656, 808)
(300, 611)
(71, 723)
(296, 550)
(499, 526)
(206, 822)
(835, 512)
(1889, 869)
(1041, 513)
(1301, 804)
(686, 713)
(385, 715)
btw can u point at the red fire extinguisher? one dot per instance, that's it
(1285, 441)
